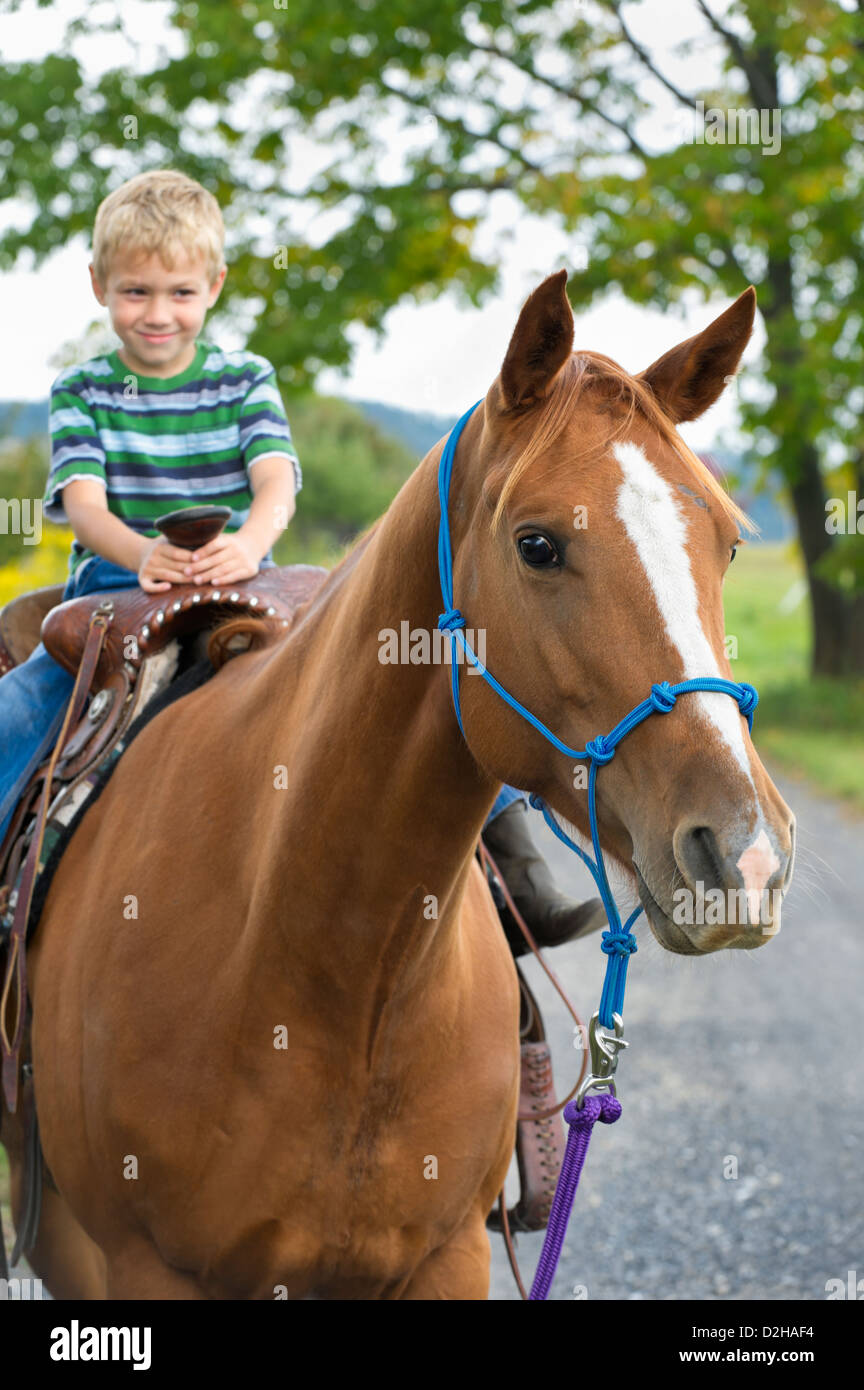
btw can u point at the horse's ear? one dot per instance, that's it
(690, 377)
(541, 343)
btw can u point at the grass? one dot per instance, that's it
(39, 565)
(809, 727)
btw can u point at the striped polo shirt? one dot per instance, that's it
(161, 443)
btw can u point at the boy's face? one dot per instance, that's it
(156, 312)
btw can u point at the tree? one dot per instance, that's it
(543, 102)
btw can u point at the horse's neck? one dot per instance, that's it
(380, 778)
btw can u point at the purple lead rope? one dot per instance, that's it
(607, 1109)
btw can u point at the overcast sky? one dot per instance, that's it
(439, 356)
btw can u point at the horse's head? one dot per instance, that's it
(592, 548)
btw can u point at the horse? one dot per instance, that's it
(275, 1017)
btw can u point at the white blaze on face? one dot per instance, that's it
(655, 524)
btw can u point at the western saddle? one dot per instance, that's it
(133, 629)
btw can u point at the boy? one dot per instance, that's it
(167, 421)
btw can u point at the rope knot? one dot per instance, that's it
(662, 697)
(747, 701)
(619, 943)
(603, 1107)
(610, 1108)
(599, 750)
(449, 621)
(536, 801)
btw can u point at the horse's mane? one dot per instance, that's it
(592, 370)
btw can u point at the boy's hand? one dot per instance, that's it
(223, 561)
(163, 565)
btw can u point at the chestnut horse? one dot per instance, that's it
(292, 1069)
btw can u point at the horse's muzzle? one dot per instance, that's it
(728, 897)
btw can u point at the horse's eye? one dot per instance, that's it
(734, 553)
(538, 552)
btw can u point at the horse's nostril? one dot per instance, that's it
(699, 858)
(740, 883)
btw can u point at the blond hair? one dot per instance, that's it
(162, 211)
(593, 369)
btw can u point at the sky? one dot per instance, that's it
(440, 356)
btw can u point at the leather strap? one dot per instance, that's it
(27, 1225)
(540, 1151)
(4, 1263)
(508, 1243)
(486, 858)
(12, 847)
(15, 983)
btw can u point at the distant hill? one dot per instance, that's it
(762, 505)
(416, 429)
(21, 419)
(420, 430)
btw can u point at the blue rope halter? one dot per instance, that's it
(618, 943)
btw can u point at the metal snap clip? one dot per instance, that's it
(604, 1048)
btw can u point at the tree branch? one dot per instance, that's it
(760, 87)
(565, 91)
(644, 58)
(455, 124)
(377, 192)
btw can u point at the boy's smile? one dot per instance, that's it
(157, 313)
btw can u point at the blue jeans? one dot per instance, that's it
(505, 798)
(34, 695)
